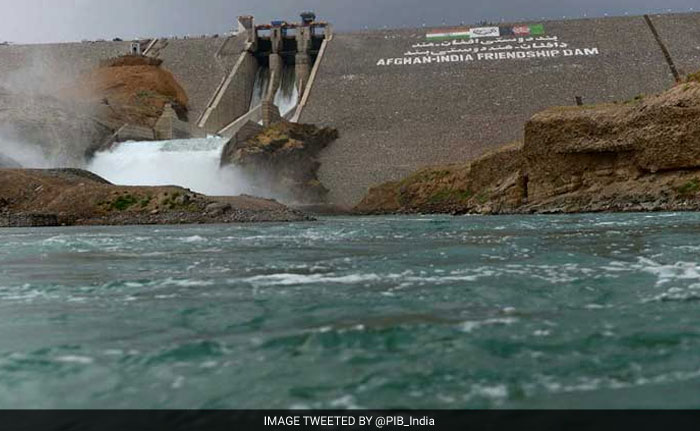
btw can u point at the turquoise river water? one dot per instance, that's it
(575, 311)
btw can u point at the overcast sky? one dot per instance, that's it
(32, 21)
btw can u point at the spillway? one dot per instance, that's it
(262, 81)
(190, 163)
(287, 95)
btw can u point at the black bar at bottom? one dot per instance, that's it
(274, 420)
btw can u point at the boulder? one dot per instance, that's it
(217, 208)
(282, 160)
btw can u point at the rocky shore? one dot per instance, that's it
(639, 155)
(57, 197)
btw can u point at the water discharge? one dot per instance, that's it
(262, 81)
(190, 163)
(287, 95)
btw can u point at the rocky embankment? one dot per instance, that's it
(283, 159)
(32, 197)
(640, 155)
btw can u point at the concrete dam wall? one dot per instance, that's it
(402, 101)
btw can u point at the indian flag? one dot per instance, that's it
(449, 33)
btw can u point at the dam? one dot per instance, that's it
(400, 99)
(410, 99)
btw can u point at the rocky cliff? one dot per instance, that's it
(282, 160)
(639, 155)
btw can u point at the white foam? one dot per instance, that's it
(188, 283)
(470, 325)
(190, 163)
(494, 392)
(587, 384)
(668, 273)
(345, 402)
(691, 293)
(70, 359)
(194, 238)
(285, 279)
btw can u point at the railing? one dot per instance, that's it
(150, 46)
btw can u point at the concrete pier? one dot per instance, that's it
(303, 60)
(276, 65)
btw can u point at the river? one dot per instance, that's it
(580, 311)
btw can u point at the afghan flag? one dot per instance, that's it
(449, 33)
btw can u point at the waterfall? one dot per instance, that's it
(190, 163)
(262, 81)
(288, 94)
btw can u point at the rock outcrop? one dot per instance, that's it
(132, 89)
(640, 155)
(35, 197)
(282, 159)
